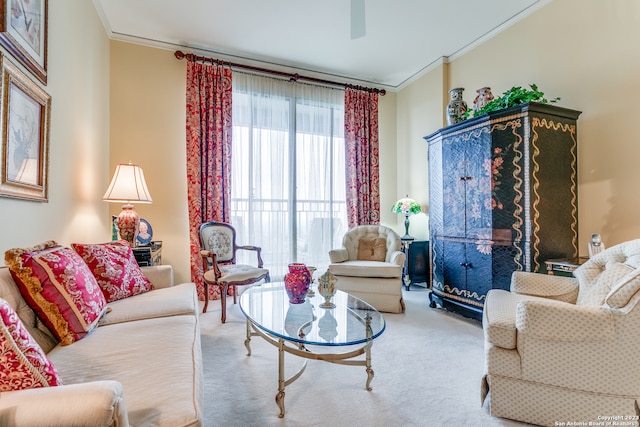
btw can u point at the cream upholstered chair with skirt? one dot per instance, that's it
(218, 243)
(561, 349)
(369, 266)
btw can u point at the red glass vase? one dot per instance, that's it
(296, 282)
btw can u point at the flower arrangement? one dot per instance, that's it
(514, 96)
(406, 206)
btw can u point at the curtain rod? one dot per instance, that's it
(295, 77)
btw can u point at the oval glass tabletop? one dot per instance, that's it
(267, 306)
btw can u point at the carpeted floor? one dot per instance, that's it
(428, 365)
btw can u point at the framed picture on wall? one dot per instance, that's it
(24, 155)
(23, 32)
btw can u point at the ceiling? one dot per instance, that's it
(404, 38)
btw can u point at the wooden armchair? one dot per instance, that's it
(218, 243)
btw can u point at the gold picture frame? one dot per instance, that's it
(23, 32)
(25, 117)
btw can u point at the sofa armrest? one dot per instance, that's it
(542, 285)
(160, 275)
(562, 322)
(338, 255)
(98, 403)
(397, 258)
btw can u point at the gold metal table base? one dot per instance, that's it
(301, 351)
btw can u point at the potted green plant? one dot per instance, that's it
(514, 96)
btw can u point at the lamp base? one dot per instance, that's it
(128, 222)
(406, 228)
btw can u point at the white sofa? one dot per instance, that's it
(369, 266)
(142, 366)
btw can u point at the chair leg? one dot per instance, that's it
(235, 294)
(223, 301)
(206, 297)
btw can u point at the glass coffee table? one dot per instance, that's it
(335, 335)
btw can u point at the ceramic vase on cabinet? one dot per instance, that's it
(296, 282)
(457, 107)
(484, 96)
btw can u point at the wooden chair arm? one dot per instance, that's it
(206, 265)
(258, 251)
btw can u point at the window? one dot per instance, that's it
(288, 171)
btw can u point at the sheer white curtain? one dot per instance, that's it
(288, 171)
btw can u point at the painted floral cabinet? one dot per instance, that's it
(502, 197)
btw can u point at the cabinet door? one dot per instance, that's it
(467, 184)
(454, 272)
(477, 179)
(454, 174)
(466, 270)
(478, 267)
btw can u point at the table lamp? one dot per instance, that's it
(406, 206)
(128, 185)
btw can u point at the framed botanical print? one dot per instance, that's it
(24, 155)
(23, 32)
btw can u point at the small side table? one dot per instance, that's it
(416, 265)
(564, 265)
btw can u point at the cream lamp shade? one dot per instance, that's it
(128, 185)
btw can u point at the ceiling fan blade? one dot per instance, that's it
(358, 24)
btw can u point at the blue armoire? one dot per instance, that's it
(502, 197)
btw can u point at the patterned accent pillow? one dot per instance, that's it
(24, 364)
(115, 268)
(59, 287)
(372, 249)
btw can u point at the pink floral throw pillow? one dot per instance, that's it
(59, 287)
(24, 364)
(115, 268)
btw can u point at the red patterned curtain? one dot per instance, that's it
(208, 155)
(362, 152)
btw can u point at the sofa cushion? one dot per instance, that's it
(115, 269)
(158, 362)
(372, 249)
(24, 364)
(366, 269)
(172, 301)
(622, 292)
(59, 287)
(499, 317)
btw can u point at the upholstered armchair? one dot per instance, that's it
(369, 266)
(562, 349)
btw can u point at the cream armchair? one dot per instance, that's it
(369, 266)
(565, 349)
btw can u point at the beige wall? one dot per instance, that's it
(78, 82)
(387, 131)
(419, 112)
(148, 128)
(583, 52)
